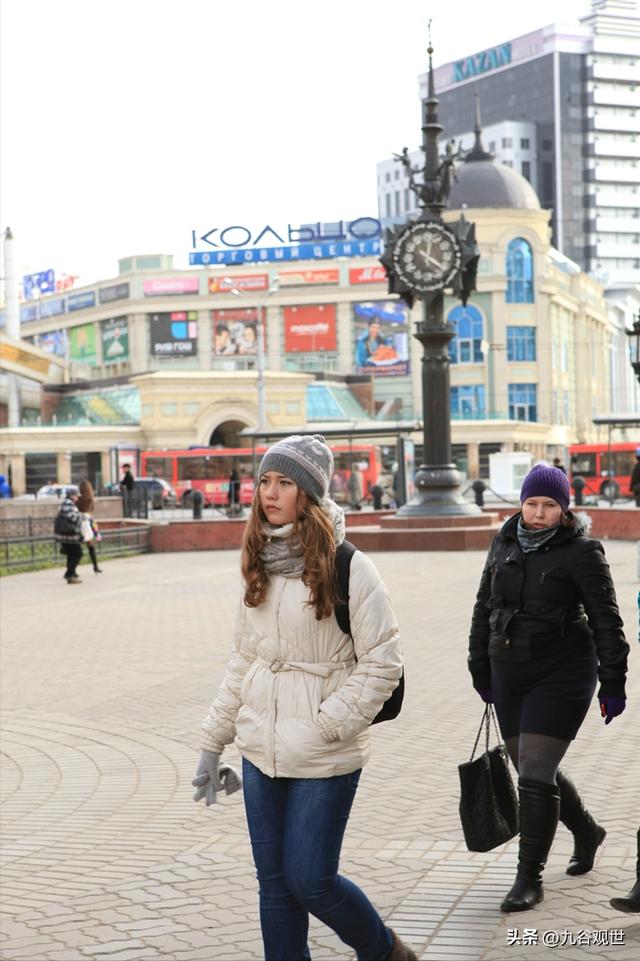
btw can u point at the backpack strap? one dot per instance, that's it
(344, 553)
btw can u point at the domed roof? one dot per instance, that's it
(481, 181)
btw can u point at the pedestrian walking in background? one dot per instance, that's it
(355, 487)
(127, 485)
(88, 527)
(298, 697)
(545, 628)
(233, 499)
(127, 482)
(634, 480)
(68, 534)
(558, 463)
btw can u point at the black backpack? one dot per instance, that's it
(392, 706)
(64, 526)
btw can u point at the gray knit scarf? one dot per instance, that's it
(283, 552)
(531, 540)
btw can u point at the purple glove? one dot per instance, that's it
(486, 694)
(610, 707)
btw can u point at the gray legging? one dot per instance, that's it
(536, 757)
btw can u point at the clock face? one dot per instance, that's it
(426, 257)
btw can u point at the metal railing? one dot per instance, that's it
(42, 550)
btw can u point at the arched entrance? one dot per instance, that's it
(227, 434)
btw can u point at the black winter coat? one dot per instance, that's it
(529, 605)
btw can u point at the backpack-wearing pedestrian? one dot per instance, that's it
(545, 629)
(298, 697)
(67, 529)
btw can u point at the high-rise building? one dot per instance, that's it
(561, 106)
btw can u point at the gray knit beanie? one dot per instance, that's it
(307, 460)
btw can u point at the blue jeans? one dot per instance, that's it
(296, 827)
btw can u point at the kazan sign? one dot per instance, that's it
(238, 244)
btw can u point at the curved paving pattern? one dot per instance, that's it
(105, 856)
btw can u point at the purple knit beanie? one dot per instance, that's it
(545, 481)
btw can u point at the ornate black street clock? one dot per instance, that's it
(426, 257)
(423, 258)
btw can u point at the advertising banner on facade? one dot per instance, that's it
(82, 344)
(115, 340)
(300, 278)
(52, 307)
(81, 301)
(174, 334)
(118, 292)
(235, 331)
(222, 285)
(367, 275)
(170, 286)
(310, 328)
(382, 338)
(53, 342)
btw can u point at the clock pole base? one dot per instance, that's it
(438, 494)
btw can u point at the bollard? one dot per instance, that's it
(578, 487)
(478, 487)
(197, 500)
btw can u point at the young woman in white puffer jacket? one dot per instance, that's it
(298, 697)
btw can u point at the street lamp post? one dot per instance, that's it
(634, 334)
(260, 324)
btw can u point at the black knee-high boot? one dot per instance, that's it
(587, 834)
(630, 904)
(539, 812)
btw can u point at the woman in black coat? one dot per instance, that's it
(545, 629)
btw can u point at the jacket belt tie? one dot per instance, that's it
(309, 667)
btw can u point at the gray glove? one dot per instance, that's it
(212, 777)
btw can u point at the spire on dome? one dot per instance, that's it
(477, 152)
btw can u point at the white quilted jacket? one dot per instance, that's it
(294, 697)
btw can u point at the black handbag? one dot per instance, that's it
(488, 799)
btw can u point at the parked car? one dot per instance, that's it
(57, 491)
(159, 492)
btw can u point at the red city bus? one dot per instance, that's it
(207, 469)
(605, 469)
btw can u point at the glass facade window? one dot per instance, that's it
(387, 205)
(524, 143)
(507, 143)
(467, 402)
(466, 346)
(521, 343)
(526, 169)
(523, 401)
(519, 272)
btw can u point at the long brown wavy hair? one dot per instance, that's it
(86, 502)
(315, 531)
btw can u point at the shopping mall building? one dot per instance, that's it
(164, 358)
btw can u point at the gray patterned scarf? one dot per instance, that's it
(531, 540)
(283, 553)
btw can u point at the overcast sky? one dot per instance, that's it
(125, 124)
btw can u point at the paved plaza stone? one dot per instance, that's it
(106, 856)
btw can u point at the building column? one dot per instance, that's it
(473, 460)
(138, 343)
(63, 467)
(273, 355)
(17, 473)
(345, 336)
(205, 340)
(105, 468)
